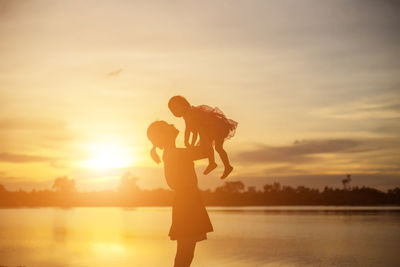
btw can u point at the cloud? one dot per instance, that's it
(307, 150)
(13, 183)
(388, 126)
(22, 158)
(24, 133)
(299, 151)
(20, 123)
(379, 109)
(114, 73)
(286, 169)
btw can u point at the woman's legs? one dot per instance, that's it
(184, 252)
(219, 147)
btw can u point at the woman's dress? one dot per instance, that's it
(189, 216)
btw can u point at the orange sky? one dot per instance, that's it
(313, 85)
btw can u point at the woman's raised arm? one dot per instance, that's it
(196, 152)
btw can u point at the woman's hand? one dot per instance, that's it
(187, 143)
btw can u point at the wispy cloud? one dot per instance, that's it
(23, 158)
(299, 151)
(362, 110)
(24, 134)
(20, 123)
(26, 183)
(306, 150)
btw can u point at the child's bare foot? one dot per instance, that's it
(210, 167)
(227, 171)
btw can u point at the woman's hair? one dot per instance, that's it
(178, 101)
(156, 135)
(154, 155)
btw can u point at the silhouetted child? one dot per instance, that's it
(210, 124)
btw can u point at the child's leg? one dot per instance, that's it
(219, 146)
(206, 144)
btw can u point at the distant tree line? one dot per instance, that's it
(232, 193)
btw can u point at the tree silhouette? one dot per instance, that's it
(231, 187)
(231, 193)
(128, 183)
(346, 182)
(272, 188)
(2, 188)
(64, 185)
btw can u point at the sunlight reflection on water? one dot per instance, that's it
(273, 236)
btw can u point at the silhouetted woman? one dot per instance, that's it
(190, 221)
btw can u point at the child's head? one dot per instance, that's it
(178, 105)
(160, 134)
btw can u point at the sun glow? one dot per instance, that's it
(109, 156)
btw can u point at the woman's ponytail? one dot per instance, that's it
(154, 155)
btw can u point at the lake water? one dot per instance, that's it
(262, 236)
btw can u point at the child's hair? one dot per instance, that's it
(178, 101)
(156, 137)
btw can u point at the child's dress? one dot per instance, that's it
(212, 122)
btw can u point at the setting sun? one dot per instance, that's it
(109, 156)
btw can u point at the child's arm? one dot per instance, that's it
(187, 135)
(188, 130)
(195, 134)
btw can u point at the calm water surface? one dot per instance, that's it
(262, 236)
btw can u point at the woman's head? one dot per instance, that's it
(178, 105)
(161, 134)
